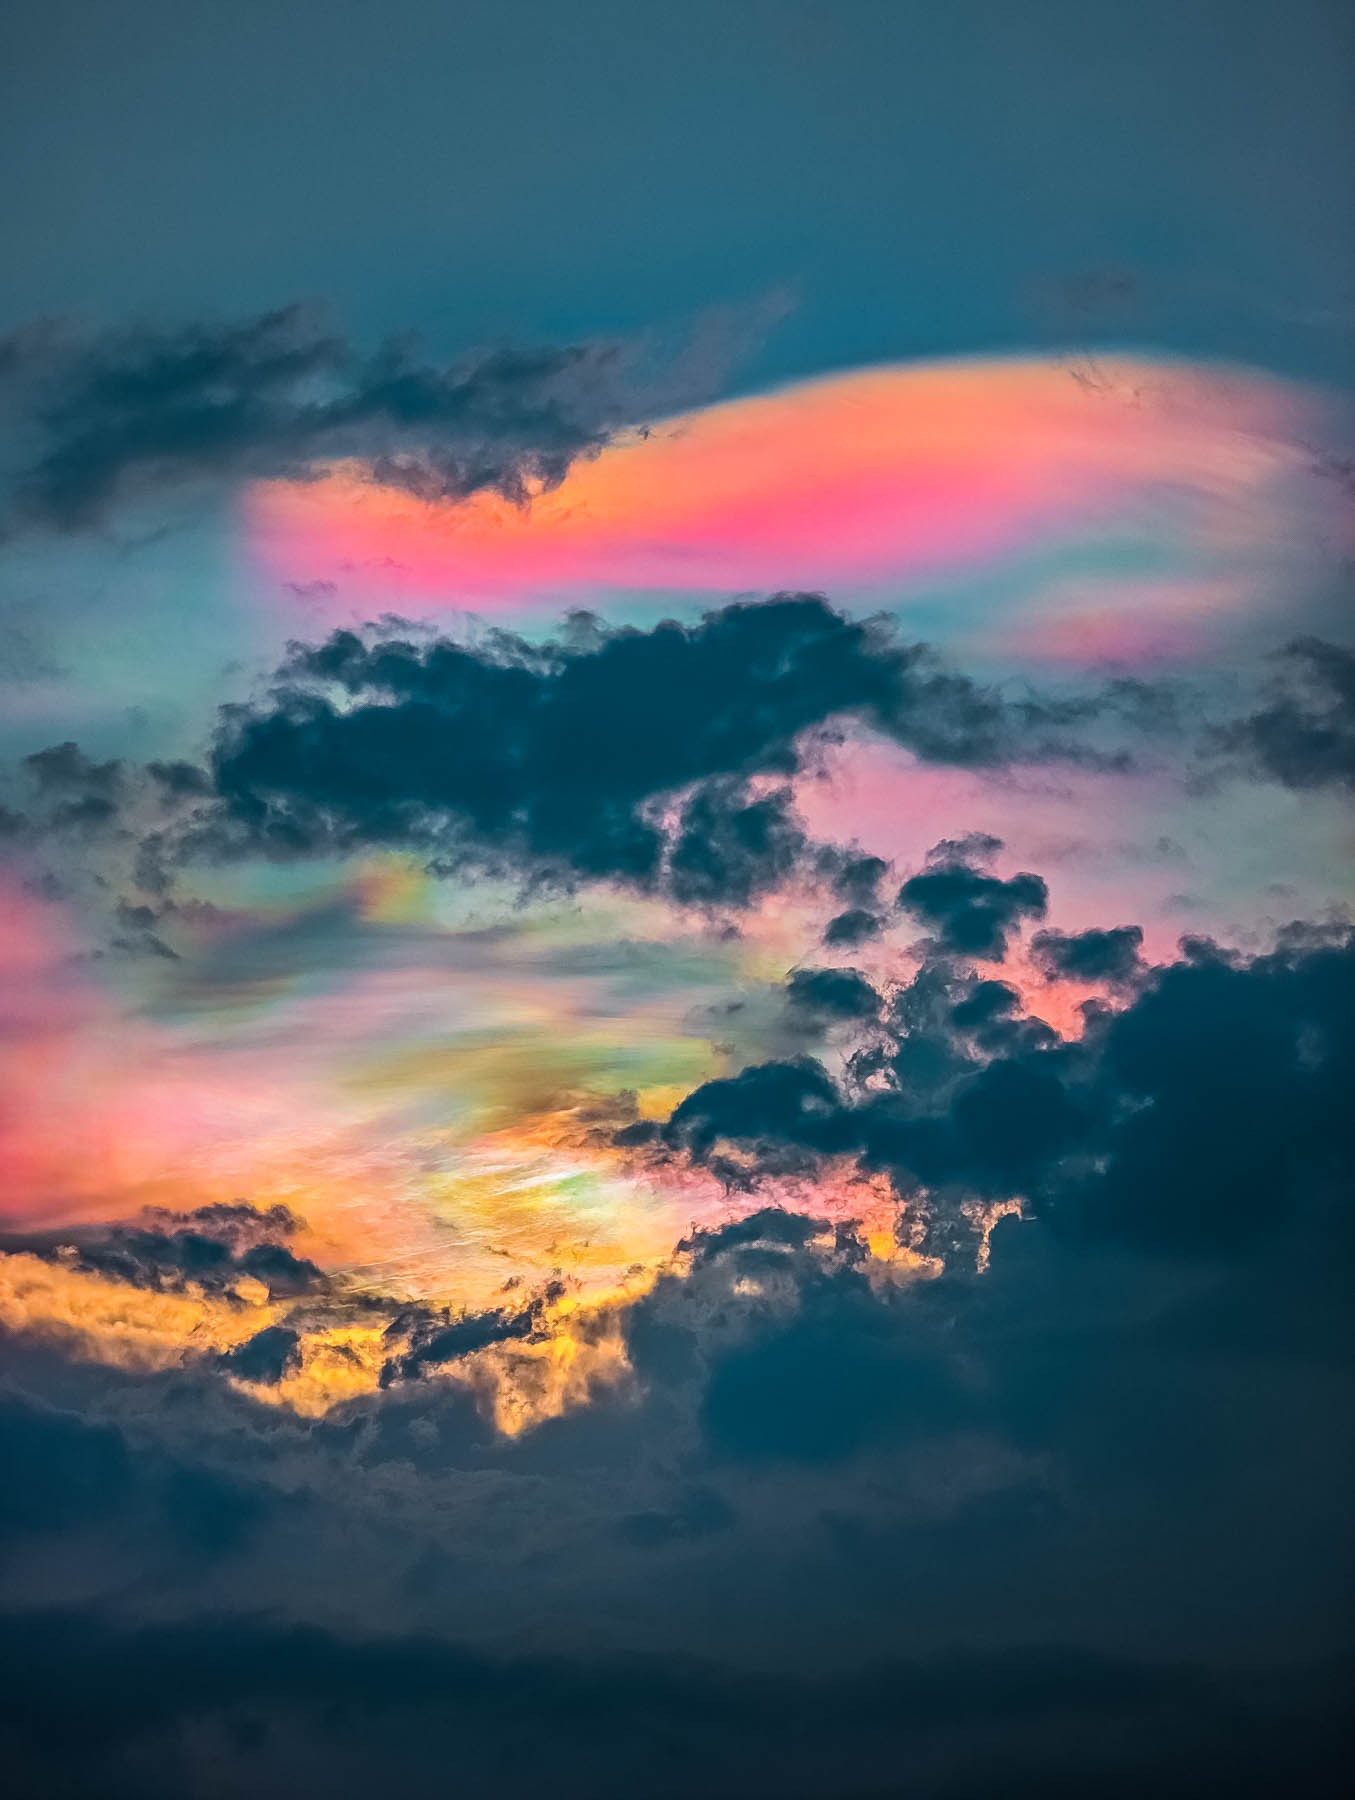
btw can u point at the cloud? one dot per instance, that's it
(847, 929)
(81, 794)
(829, 1370)
(809, 1540)
(885, 484)
(560, 757)
(1221, 1087)
(97, 419)
(833, 993)
(133, 1706)
(1197, 1120)
(972, 912)
(180, 780)
(266, 1357)
(213, 1248)
(436, 1338)
(1304, 732)
(73, 1477)
(730, 847)
(662, 759)
(644, 757)
(64, 1470)
(787, 1108)
(1098, 954)
(65, 769)
(857, 878)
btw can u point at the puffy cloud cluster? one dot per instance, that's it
(971, 911)
(564, 756)
(1204, 1114)
(657, 758)
(663, 759)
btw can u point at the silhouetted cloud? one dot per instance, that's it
(1109, 955)
(1304, 732)
(433, 1339)
(852, 927)
(99, 418)
(857, 879)
(1105, 1439)
(972, 912)
(562, 758)
(212, 1247)
(729, 847)
(1193, 1121)
(266, 1357)
(833, 993)
(72, 1478)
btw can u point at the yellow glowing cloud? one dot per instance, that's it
(99, 1320)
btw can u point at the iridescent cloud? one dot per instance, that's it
(1113, 510)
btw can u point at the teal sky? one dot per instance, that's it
(921, 178)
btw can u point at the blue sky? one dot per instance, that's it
(925, 179)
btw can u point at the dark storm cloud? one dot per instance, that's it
(852, 927)
(1303, 733)
(1109, 955)
(1142, 1477)
(794, 1357)
(815, 1367)
(91, 1698)
(1197, 1121)
(71, 1477)
(812, 1394)
(213, 1247)
(833, 993)
(972, 912)
(433, 1339)
(560, 758)
(857, 879)
(730, 847)
(266, 1357)
(96, 419)
(63, 1471)
(1224, 1085)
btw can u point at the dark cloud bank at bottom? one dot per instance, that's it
(277, 1709)
(1077, 1525)
(1076, 1528)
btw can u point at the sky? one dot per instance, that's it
(677, 728)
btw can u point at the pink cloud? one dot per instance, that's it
(865, 484)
